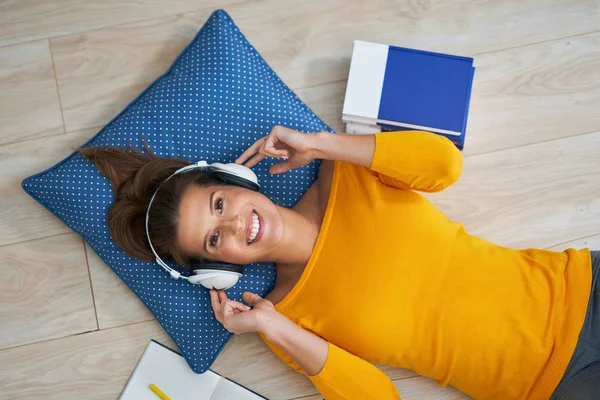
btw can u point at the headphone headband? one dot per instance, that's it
(234, 174)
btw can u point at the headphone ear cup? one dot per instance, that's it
(214, 279)
(236, 174)
(237, 181)
(216, 275)
(219, 266)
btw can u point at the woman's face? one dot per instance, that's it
(229, 224)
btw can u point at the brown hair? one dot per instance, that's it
(134, 177)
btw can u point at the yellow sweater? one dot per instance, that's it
(392, 280)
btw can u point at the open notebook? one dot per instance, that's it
(169, 371)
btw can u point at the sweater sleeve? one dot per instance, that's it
(416, 160)
(345, 376)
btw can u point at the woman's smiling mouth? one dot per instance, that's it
(253, 229)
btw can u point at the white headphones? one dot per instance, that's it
(211, 275)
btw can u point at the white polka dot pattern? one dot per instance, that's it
(217, 98)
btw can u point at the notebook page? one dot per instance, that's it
(171, 374)
(227, 390)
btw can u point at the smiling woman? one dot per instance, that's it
(195, 216)
(369, 269)
(134, 177)
(229, 223)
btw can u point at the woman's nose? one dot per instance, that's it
(234, 225)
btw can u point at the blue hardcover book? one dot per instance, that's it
(397, 88)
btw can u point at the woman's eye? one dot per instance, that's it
(219, 205)
(214, 239)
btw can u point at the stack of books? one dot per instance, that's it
(393, 89)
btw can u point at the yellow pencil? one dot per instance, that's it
(159, 392)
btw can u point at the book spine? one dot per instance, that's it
(468, 105)
(431, 53)
(458, 142)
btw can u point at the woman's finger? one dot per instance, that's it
(236, 305)
(250, 151)
(263, 153)
(251, 298)
(222, 296)
(281, 167)
(214, 297)
(216, 304)
(271, 150)
(255, 160)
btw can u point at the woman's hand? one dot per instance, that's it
(296, 147)
(237, 317)
(307, 349)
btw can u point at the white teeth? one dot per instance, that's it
(255, 227)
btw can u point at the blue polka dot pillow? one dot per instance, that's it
(217, 98)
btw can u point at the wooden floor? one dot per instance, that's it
(70, 330)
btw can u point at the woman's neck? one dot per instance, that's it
(298, 238)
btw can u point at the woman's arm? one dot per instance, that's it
(354, 149)
(306, 349)
(337, 374)
(414, 160)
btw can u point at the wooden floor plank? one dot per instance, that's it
(417, 388)
(100, 72)
(29, 105)
(536, 196)
(314, 47)
(326, 101)
(30, 19)
(589, 242)
(420, 388)
(535, 93)
(44, 291)
(94, 366)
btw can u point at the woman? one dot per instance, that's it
(369, 271)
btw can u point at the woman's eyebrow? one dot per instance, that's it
(210, 206)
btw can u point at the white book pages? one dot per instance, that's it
(360, 129)
(171, 374)
(373, 122)
(227, 390)
(365, 79)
